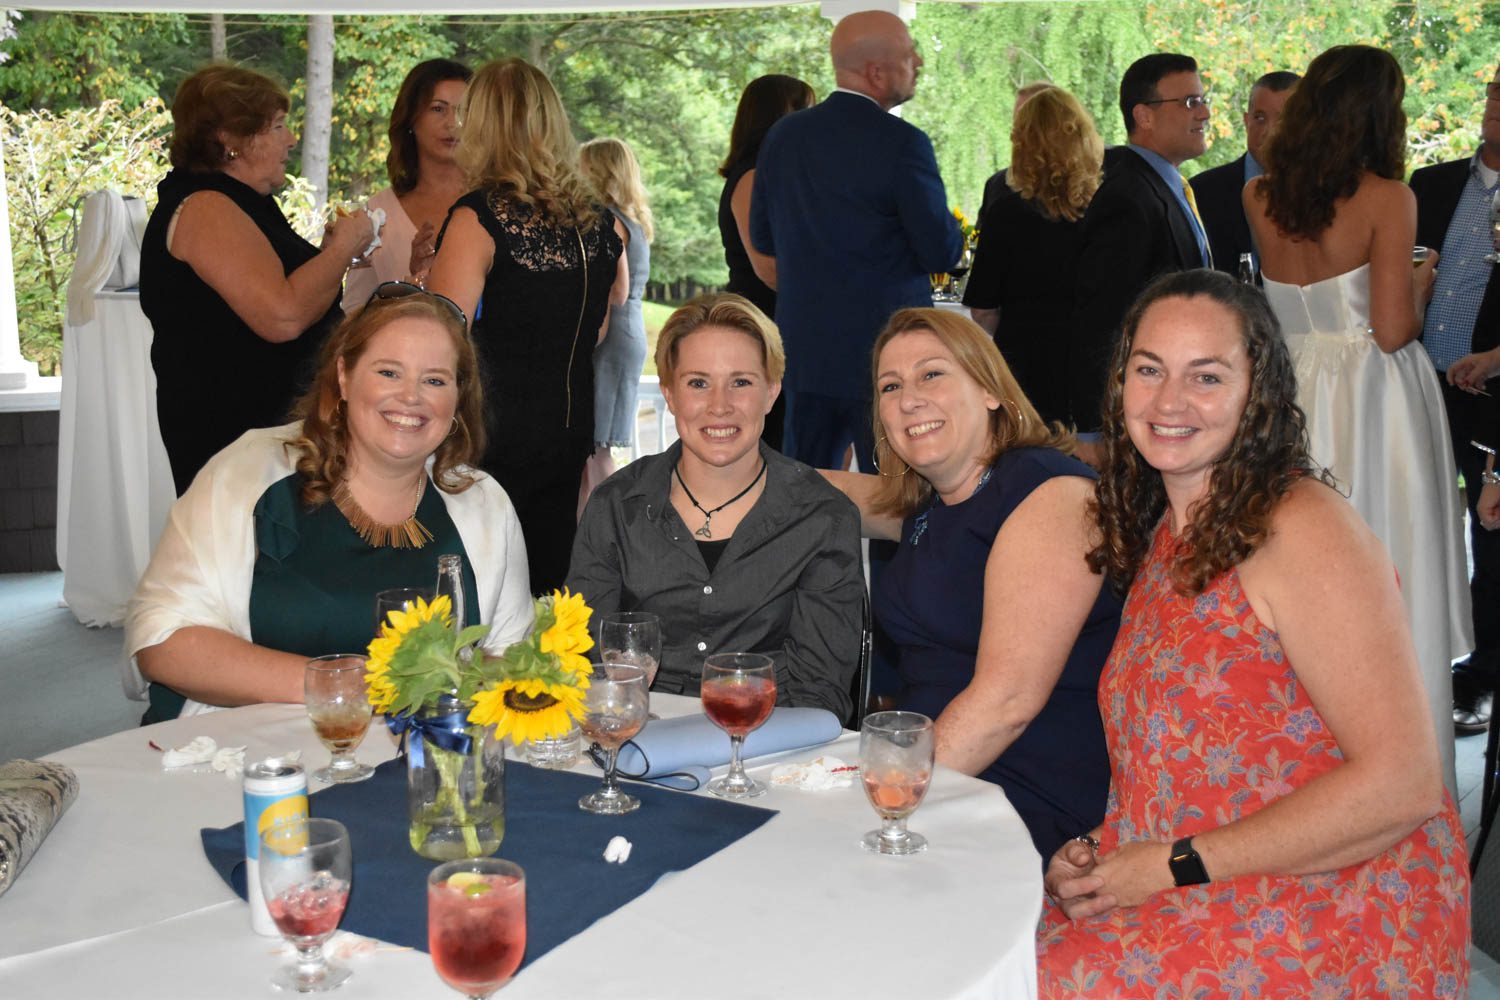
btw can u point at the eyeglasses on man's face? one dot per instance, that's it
(1192, 101)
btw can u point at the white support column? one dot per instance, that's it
(15, 371)
(836, 10)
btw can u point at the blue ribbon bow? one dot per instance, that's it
(446, 731)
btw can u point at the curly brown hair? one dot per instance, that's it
(1013, 424)
(1343, 119)
(220, 98)
(1268, 453)
(323, 447)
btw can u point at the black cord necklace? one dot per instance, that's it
(708, 515)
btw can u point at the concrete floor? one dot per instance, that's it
(60, 685)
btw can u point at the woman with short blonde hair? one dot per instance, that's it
(532, 242)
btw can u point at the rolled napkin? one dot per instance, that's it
(33, 796)
(678, 752)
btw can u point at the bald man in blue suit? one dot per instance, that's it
(848, 199)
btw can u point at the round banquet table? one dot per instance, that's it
(120, 901)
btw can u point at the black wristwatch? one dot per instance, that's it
(1187, 867)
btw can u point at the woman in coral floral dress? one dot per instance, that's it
(1277, 826)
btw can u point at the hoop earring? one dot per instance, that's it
(1015, 408)
(875, 460)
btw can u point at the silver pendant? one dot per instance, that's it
(703, 532)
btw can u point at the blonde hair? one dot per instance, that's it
(516, 139)
(725, 309)
(611, 166)
(1013, 424)
(1056, 154)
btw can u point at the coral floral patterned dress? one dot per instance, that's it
(1207, 723)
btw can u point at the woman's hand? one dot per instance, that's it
(1072, 884)
(1134, 872)
(1423, 277)
(1489, 507)
(1470, 372)
(423, 250)
(349, 234)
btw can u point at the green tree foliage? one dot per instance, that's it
(64, 61)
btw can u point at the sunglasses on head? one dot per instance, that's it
(387, 290)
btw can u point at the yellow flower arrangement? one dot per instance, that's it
(533, 690)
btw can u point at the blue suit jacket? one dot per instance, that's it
(848, 199)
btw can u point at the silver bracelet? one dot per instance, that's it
(1490, 477)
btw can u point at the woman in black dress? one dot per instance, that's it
(766, 101)
(1021, 286)
(238, 302)
(536, 261)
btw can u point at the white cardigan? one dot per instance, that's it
(201, 571)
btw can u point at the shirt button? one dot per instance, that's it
(708, 590)
(1442, 326)
(702, 646)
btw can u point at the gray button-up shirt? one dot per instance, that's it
(789, 584)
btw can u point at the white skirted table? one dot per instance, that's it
(121, 902)
(114, 486)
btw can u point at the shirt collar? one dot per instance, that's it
(655, 485)
(1485, 175)
(1253, 169)
(1161, 165)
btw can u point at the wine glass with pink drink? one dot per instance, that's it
(739, 692)
(895, 761)
(476, 923)
(305, 869)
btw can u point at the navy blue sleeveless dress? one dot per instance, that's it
(931, 603)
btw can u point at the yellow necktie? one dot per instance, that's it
(1187, 192)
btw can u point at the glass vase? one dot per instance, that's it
(456, 798)
(556, 752)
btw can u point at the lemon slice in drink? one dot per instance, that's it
(471, 883)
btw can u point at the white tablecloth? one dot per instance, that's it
(114, 486)
(120, 901)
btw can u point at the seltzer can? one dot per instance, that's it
(275, 792)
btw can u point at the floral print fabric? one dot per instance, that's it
(1207, 723)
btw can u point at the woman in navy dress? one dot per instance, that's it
(1002, 627)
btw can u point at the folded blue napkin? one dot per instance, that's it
(679, 752)
(569, 885)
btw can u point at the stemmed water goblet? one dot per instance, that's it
(305, 868)
(333, 688)
(739, 692)
(632, 637)
(476, 923)
(614, 711)
(397, 599)
(895, 762)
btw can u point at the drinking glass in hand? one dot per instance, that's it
(305, 868)
(632, 637)
(397, 599)
(739, 692)
(614, 711)
(895, 761)
(476, 923)
(333, 688)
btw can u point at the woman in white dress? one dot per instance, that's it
(425, 178)
(1335, 225)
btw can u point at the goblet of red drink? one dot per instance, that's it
(476, 923)
(739, 691)
(895, 761)
(614, 710)
(333, 688)
(305, 867)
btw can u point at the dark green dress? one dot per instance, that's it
(315, 580)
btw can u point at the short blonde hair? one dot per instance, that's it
(1056, 155)
(611, 166)
(515, 138)
(733, 312)
(1013, 424)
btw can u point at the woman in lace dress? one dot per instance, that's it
(1276, 823)
(1335, 225)
(536, 261)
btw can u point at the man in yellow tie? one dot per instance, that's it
(1141, 223)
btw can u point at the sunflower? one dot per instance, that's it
(528, 709)
(386, 649)
(568, 637)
